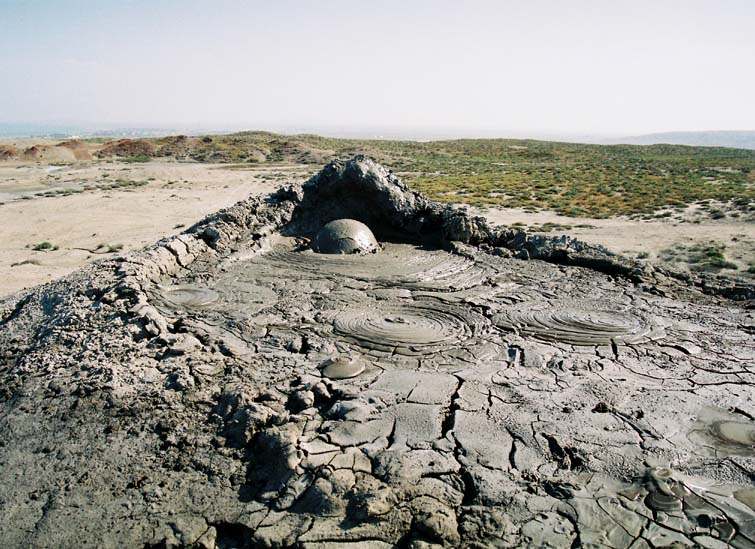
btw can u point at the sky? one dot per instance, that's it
(499, 67)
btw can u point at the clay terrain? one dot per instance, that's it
(465, 375)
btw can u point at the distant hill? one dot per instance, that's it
(735, 139)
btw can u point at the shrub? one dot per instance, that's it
(44, 247)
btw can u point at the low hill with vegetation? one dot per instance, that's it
(736, 139)
(571, 179)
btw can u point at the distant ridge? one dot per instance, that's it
(735, 139)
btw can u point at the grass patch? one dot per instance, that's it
(699, 257)
(133, 159)
(45, 247)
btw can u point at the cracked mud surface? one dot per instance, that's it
(231, 388)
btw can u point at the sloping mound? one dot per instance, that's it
(80, 149)
(230, 387)
(239, 148)
(127, 148)
(7, 153)
(48, 153)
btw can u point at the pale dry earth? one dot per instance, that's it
(639, 237)
(176, 194)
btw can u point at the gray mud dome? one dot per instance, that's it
(463, 386)
(345, 236)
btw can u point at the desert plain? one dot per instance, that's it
(92, 198)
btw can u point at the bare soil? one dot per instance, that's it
(175, 196)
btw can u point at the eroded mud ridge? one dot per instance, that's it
(231, 387)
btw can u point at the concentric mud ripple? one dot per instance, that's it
(408, 330)
(188, 296)
(396, 264)
(736, 433)
(577, 323)
(232, 296)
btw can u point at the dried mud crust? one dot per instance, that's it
(180, 397)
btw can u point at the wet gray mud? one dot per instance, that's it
(462, 386)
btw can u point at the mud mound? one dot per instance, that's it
(80, 149)
(48, 153)
(230, 387)
(7, 153)
(127, 148)
(180, 147)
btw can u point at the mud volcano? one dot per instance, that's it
(411, 377)
(345, 236)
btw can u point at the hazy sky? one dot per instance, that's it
(577, 66)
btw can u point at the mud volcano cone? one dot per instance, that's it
(467, 386)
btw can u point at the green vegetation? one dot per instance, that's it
(45, 247)
(121, 184)
(577, 180)
(593, 181)
(700, 257)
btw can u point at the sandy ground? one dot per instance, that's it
(637, 238)
(174, 195)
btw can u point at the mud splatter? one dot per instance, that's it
(343, 367)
